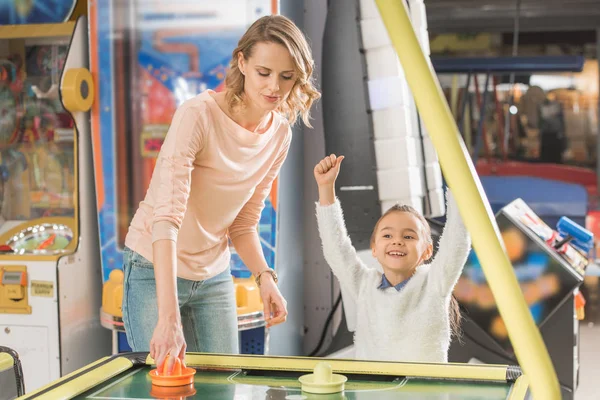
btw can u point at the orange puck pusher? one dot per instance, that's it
(180, 376)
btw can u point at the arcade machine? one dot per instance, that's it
(151, 58)
(550, 266)
(49, 265)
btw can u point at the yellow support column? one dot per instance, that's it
(462, 178)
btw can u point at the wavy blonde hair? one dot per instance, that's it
(276, 29)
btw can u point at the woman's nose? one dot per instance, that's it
(275, 84)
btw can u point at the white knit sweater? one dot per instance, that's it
(412, 324)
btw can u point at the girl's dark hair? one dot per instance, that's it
(455, 316)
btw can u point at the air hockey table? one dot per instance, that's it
(126, 376)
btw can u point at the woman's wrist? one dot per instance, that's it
(169, 313)
(266, 275)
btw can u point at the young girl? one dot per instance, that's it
(407, 313)
(214, 171)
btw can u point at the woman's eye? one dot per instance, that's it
(287, 78)
(263, 73)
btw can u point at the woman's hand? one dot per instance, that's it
(167, 339)
(275, 306)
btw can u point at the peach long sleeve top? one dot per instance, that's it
(209, 184)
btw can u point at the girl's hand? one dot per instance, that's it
(327, 170)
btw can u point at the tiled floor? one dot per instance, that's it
(589, 369)
(589, 340)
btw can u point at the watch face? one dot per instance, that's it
(42, 239)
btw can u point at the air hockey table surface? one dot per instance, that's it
(240, 377)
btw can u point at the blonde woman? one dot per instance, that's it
(216, 167)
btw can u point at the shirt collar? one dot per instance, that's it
(386, 284)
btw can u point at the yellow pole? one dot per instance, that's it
(462, 178)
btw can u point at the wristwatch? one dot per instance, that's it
(268, 271)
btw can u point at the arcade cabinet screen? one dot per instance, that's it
(544, 277)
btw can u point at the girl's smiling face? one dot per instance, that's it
(400, 243)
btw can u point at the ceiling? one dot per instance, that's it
(456, 16)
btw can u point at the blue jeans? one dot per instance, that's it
(208, 308)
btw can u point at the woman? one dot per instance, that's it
(214, 171)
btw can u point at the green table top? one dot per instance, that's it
(136, 384)
(241, 377)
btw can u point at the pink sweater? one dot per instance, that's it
(210, 182)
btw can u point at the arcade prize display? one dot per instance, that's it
(549, 265)
(152, 57)
(50, 272)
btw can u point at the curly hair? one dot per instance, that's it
(276, 29)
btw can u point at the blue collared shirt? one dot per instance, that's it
(386, 284)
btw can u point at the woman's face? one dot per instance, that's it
(269, 73)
